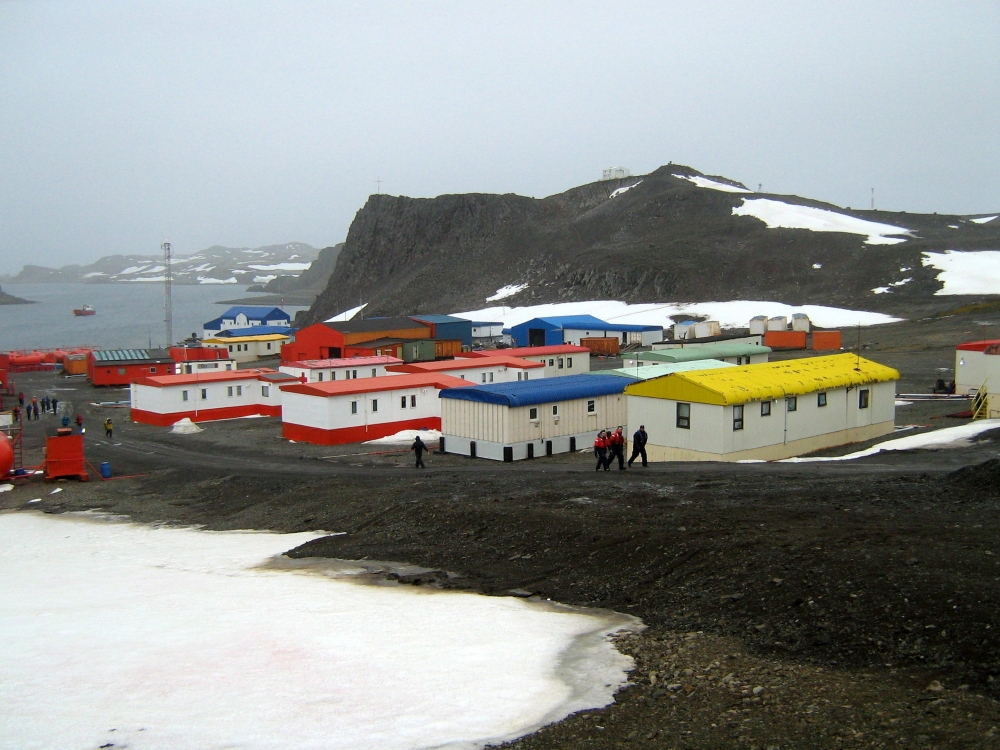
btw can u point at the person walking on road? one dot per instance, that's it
(17, 413)
(601, 451)
(55, 405)
(20, 399)
(617, 441)
(79, 422)
(34, 408)
(418, 448)
(109, 428)
(639, 445)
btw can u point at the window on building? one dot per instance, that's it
(519, 376)
(863, 396)
(402, 402)
(229, 391)
(265, 391)
(319, 377)
(591, 406)
(239, 390)
(152, 369)
(765, 408)
(413, 402)
(525, 375)
(354, 407)
(555, 410)
(551, 362)
(484, 377)
(184, 395)
(354, 374)
(533, 413)
(373, 372)
(738, 417)
(820, 399)
(560, 363)
(121, 370)
(269, 346)
(491, 377)
(791, 403)
(230, 347)
(569, 363)
(374, 405)
(684, 416)
(333, 375)
(204, 394)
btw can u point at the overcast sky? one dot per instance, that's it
(250, 123)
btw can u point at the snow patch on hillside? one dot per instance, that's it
(974, 272)
(704, 182)
(507, 291)
(982, 219)
(778, 214)
(281, 267)
(734, 314)
(625, 189)
(347, 314)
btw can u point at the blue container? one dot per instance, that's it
(106, 470)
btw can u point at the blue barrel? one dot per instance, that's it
(106, 470)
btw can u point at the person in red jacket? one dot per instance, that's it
(617, 442)
(601, 451)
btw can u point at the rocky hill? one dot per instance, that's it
(311, 281)
(672, 235)
(214, 265)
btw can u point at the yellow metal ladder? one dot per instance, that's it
(980, 403)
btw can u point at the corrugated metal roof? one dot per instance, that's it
(977, 346)
(321, 364)
(375, 385)
(234, 339)
(647, 372)
(545, 391)
(132, 355)
(530, 351)
(373, 324)
(164, 381)
(705, 351)
(256, 313)
(285, 331)
(440, 319)
(467, 363)
(766, 381)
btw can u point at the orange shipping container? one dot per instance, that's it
(785, 339)
(607, 347)
(826, 340)
(75, 364)
(444, 348)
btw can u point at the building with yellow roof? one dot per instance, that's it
(765, 411)
(250, 348)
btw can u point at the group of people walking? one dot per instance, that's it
(611, 445)
(36, 407)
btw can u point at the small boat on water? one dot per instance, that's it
(85, 310)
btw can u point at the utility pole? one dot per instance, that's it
(168, 302)
(873, 199)
(378, 186)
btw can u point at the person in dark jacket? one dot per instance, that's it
(55, 405)
(418, 448)
(79, 421)
(639, 445)
(601, 451)
(20, 399)
(617, 441)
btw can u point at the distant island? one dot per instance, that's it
(10, 299)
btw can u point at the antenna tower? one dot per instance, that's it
(168, 304)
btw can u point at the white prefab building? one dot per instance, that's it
(485, 332)
(328, 370)
(353, 411)
(514, 421)
(777, 323)
(481, 370)
(734, 354)
(764, 412)
(250, 348)
(203, 397)
(977, 365)
(559, 359)
(758, 325)
(755, 340)
(800, 322)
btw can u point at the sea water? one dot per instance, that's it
(128, 635)
(128, 316)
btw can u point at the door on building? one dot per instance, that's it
(332, 352)
(536, 337)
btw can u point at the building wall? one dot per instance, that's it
(115, 373)
(166, 405)
(493, 374)
(572, 364)
(249, 351)
(215, 365)
(745, 359)
(972, 369)
(329, 374)
(328, 420)
(712, 434)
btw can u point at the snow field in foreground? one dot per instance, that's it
(735, 314)
(973, 272)
(778, 214)
(430, 437)
(175, 638)
(949, 437)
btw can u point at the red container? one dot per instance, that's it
(785, 339)
(826, 340)
(64, 457)
(608, 347)
(25, 360)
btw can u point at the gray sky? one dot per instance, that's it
(250, 123)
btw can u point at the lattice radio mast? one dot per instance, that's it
(168, 303)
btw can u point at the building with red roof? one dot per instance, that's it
(495, 369)
(353, 411)
(559, 359)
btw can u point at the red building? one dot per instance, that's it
(122, 366)
(328, 340)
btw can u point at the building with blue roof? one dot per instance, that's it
(569, 329)
(531, 418)
(248, 316)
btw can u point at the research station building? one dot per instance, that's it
(324, 370)
(514, 421)
(559, 360)
(766, 411)
(736, 354)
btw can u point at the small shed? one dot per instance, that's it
(514, 421)
(486, 332)
(800, 322)
(777, 323)
(758, 325)
(119, 367)
(707, 328)
(684, 330)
